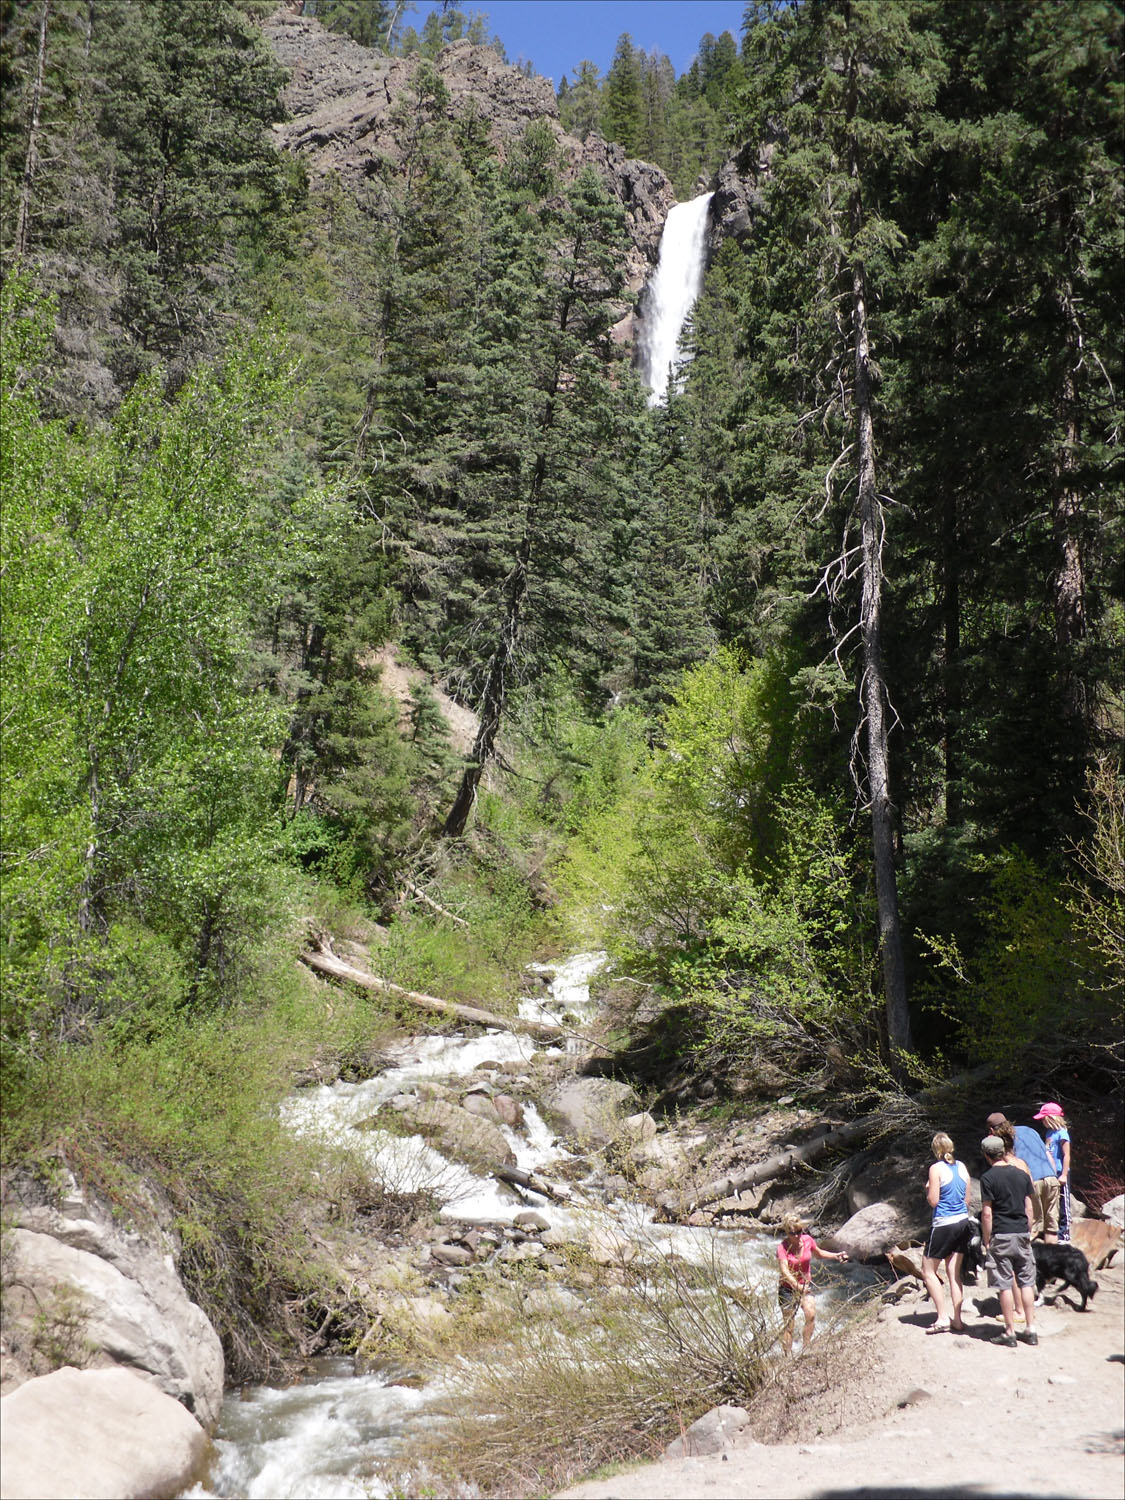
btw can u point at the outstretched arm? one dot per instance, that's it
(828, 1254)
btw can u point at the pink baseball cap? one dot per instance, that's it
(1047, 1110)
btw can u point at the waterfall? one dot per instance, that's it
(670, 294)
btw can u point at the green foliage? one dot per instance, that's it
(1020, 984)
(480, 957)
(715, 871)
(190, 1112)
(781, 960)
(138, 777)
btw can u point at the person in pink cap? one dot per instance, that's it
(1053, 1120)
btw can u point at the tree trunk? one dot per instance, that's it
(31, 157)
(951, 665)
(496, 685)
(873, 690)
(766, 1171)
(327, 963)
(1070, 578)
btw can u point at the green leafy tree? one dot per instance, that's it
(137, 766)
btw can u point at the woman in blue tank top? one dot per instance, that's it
(947, 1193)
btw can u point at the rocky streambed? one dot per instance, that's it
(539, 1179)
(541, 1174)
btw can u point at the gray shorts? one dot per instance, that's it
(1010, 1256)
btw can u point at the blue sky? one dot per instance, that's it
(557, 34)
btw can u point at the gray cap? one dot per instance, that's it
(992, 1146)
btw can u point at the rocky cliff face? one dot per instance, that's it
(738, 198)
(343, 96)
(82, 1288)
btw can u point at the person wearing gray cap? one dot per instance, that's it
(1006, 1212)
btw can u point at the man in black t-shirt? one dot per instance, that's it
(1006, 1215)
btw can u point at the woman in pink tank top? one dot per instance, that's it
(794, 1286)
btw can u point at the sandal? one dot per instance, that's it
(942, 1327)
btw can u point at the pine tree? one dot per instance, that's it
(623, 105)
(847, 87)
(581, 109)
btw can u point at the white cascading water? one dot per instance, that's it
(671, 293)
(327, 1435)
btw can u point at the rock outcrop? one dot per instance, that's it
(77, 1433)
(591, 1110)
(84, 1289)
(353, 107)
(737, 200)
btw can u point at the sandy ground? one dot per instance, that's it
(954, 1415)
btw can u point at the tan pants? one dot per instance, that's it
(1045, 1194)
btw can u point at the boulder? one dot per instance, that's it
(104, 1295)
(1098, 1241)
(591, 1109)
(642, 1127)
(906, 1260)
(607, 1247)
(479, 1104)
(871, 1232)
(452, 1255)
(467, 1137)
(509, 1110)
(531, 1221)
(105, 1433)
(721, 1428)
(897, 1179)
(1114, 1210)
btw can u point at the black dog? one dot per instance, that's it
(1064, 1263)
(973, 1252)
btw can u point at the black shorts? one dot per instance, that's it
(788, 1296)
(948, 1239)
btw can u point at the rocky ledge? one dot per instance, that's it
(141, 1377)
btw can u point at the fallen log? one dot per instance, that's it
(327, 963)
(533, 1183)
(766, 1171)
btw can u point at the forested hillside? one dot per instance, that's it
(800, 692)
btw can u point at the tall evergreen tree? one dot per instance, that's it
(623, 104)
(847, 86)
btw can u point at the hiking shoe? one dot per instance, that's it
(1009, 1340)
(1028, 1336)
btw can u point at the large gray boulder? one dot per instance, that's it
(871, 1232)
(81, 1434)
(83, 1289)
(468, 1138)
(592, 1110)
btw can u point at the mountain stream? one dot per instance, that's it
(326, 1435)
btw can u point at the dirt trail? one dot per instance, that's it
(1043, 1422)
